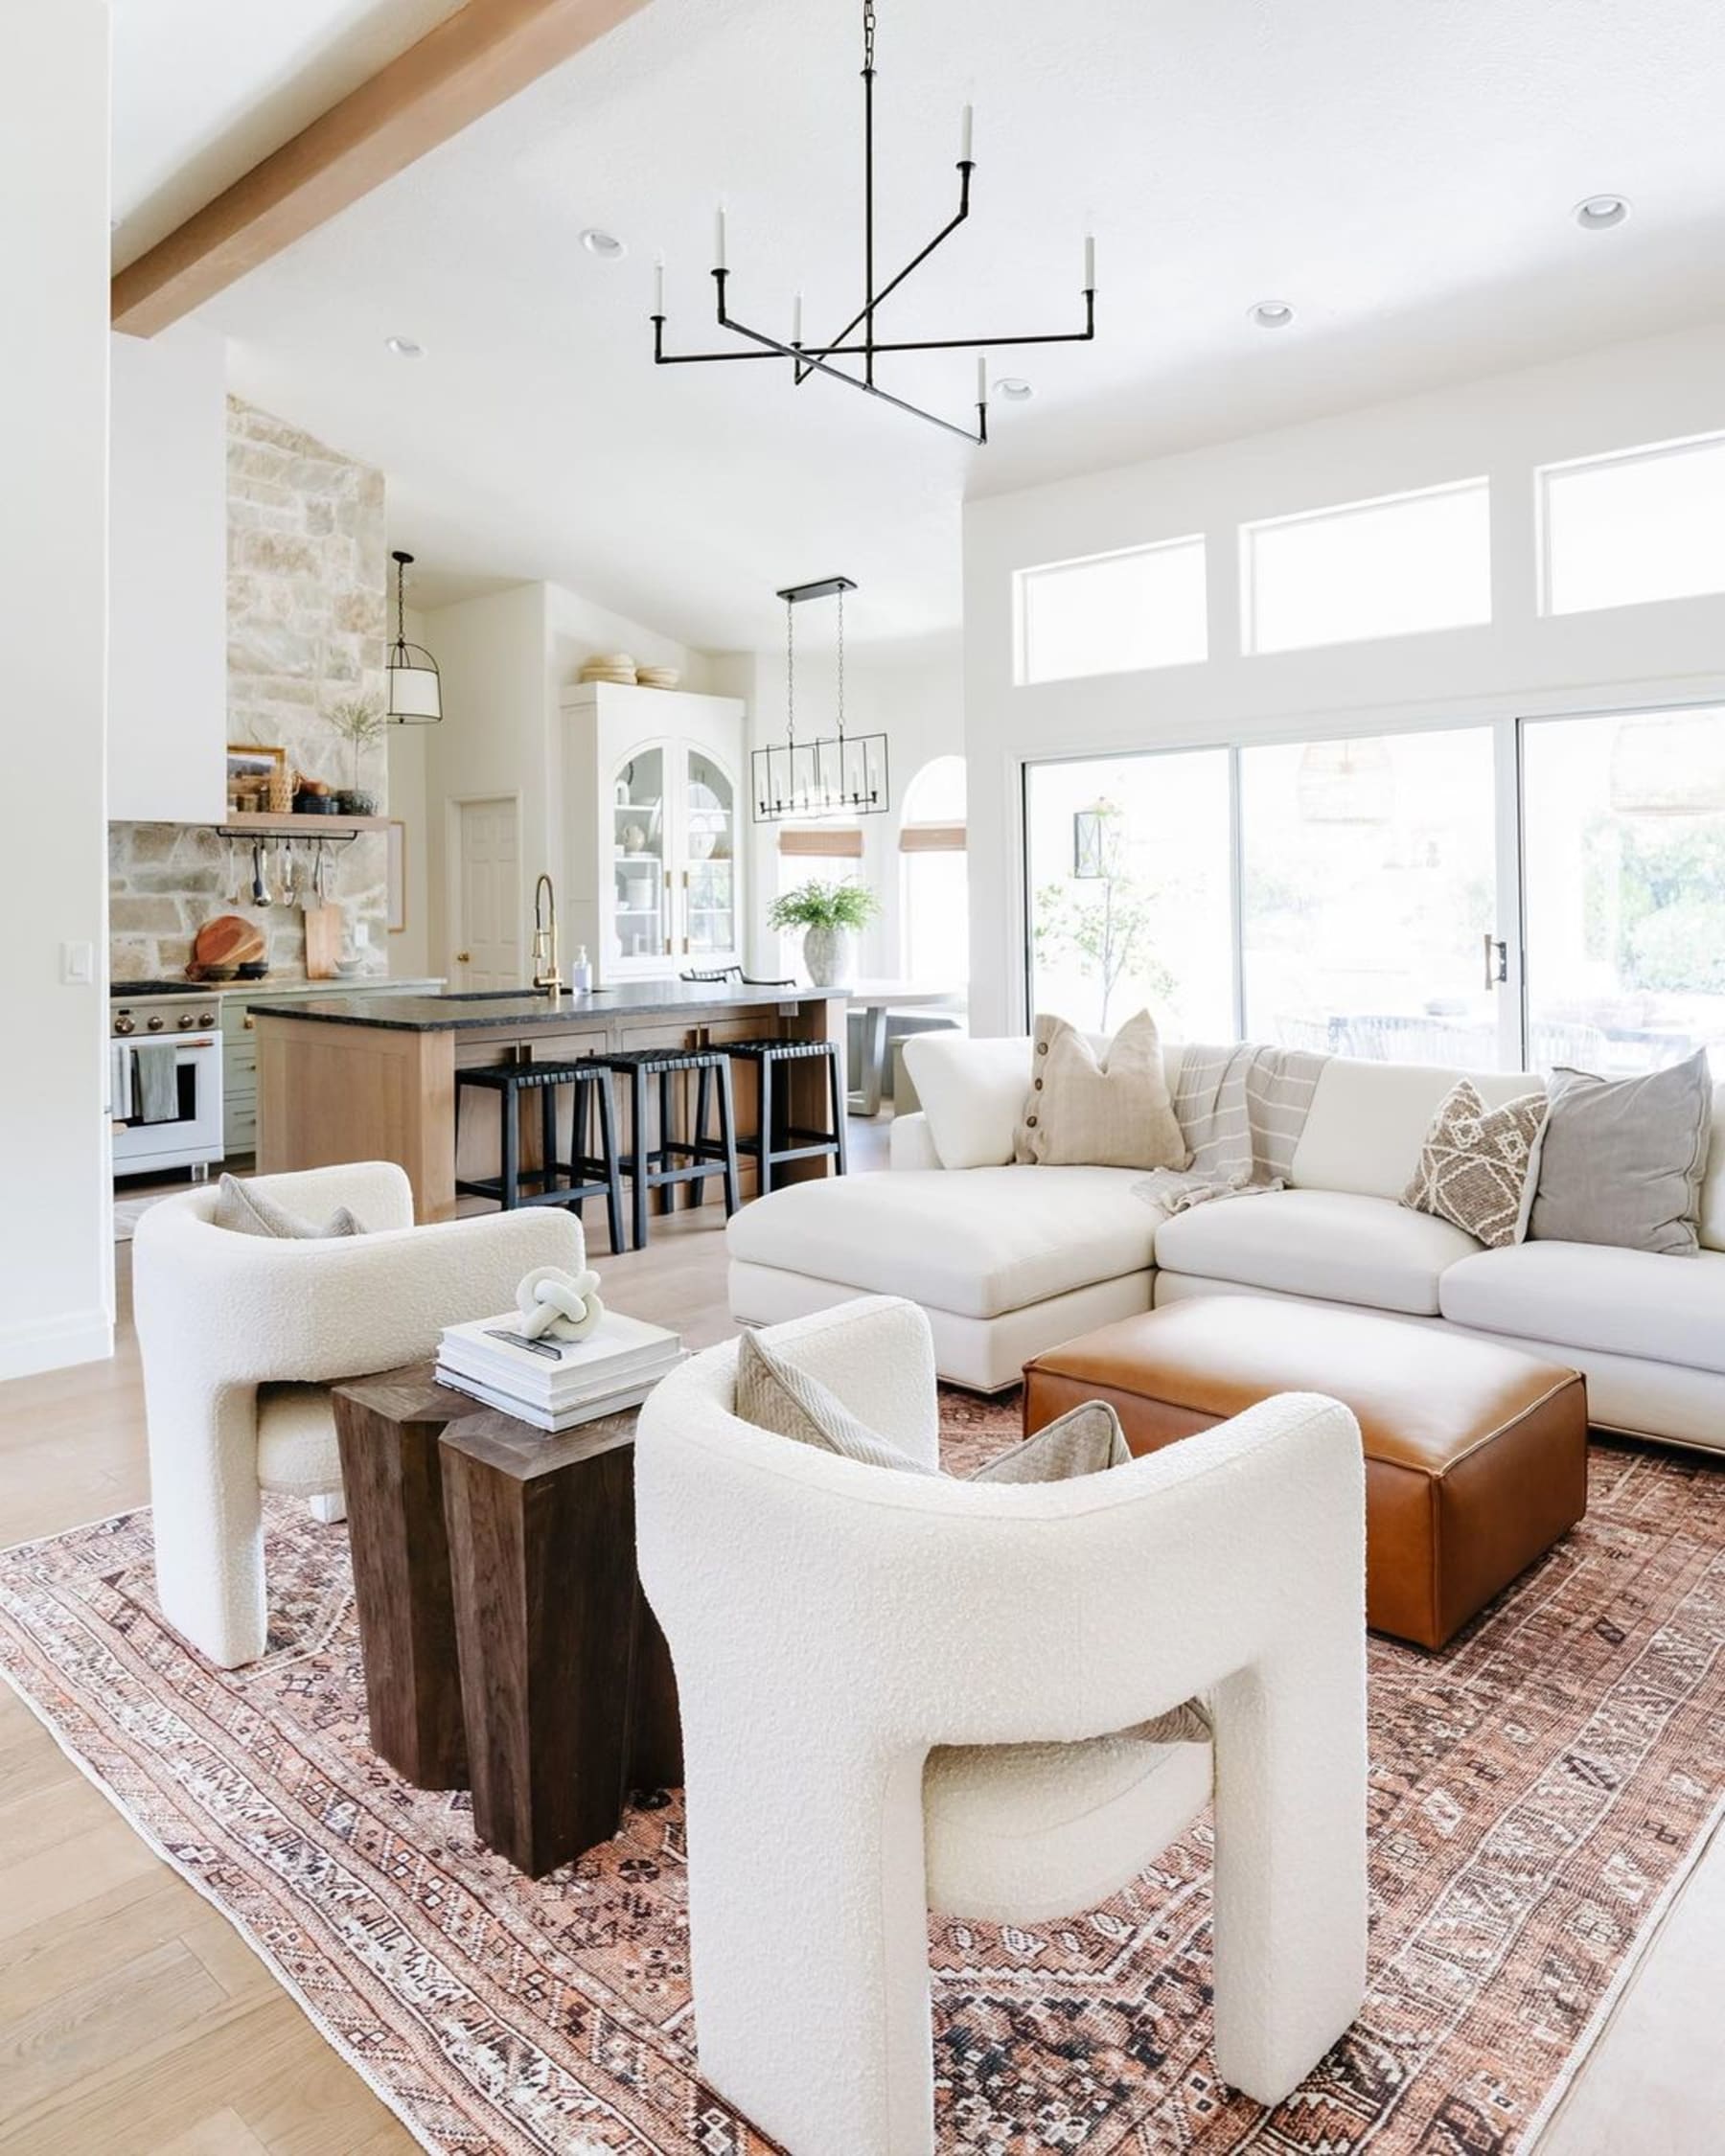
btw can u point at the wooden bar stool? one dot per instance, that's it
(585, 1174)
(778, 1139)
(673, 1159)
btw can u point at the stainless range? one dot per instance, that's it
(165, 1053)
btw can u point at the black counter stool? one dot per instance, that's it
(585, 1174)
(673, 1159)
(777, 1139)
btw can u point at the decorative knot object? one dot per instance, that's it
(559, 1305)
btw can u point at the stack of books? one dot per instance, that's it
(556, 1383)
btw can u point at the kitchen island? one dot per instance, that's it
(358, 1078)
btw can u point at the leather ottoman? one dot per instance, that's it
(1476, 1455)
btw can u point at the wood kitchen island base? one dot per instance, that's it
(352, 1078)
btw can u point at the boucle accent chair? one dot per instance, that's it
(243, 1335)
(903, 1691)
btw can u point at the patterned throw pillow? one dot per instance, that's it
(1474, 1166)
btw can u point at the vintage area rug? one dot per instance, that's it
(1538, 1793)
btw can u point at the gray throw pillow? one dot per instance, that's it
(1622, 1160)
(774, 1394)
(247, 1210)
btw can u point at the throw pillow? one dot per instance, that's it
(1111, 1110)
(1624, 1158)
(247, 1210)
(1475, 1163)
(774, 1394)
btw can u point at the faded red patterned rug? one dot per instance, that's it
(1537, 1794)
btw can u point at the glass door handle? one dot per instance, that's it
(1497, 960)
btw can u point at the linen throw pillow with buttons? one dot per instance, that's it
(1107, 1111)
(1476, 1165)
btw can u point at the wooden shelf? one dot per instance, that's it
(247, 823)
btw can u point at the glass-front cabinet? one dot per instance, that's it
(654, 846)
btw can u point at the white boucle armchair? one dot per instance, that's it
(902, 1692)
(243, 1335)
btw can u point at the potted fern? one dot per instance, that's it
(829, 915)
(360, 722)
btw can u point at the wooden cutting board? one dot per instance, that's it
(323, 941)
(229, 940)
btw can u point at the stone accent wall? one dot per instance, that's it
(308, 615)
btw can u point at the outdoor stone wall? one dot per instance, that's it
(308, 615)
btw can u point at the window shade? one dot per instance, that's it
(822, 843)
(932, 838)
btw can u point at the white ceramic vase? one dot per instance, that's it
(827, 954)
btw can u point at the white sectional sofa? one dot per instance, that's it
(1008, 1261)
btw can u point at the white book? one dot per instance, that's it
(507, 1386)
(494, 1348)
(549, 1419)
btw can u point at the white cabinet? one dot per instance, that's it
(653, 785)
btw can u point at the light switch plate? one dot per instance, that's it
(78, 964)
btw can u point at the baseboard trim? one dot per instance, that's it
(56, 1344)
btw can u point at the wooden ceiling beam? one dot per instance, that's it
(473, 61)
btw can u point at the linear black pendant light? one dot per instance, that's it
(808, 359)
(837, 773)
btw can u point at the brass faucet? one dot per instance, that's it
(546, 972)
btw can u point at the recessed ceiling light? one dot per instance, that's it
(1600, 212)
(605, 244)
(1014, 388)
(1270, 314)
(405, 347)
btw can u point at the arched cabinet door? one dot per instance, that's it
(711, 932)
(635, 883)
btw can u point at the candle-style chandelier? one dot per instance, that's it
(837, 773)
(818, 358)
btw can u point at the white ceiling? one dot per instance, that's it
(1403, 173)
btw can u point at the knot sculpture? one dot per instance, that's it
(559, 1305)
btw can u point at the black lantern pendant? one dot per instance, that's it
(415, 685)
(834, 775)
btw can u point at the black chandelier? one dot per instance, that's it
(808, 359)
(837, 773)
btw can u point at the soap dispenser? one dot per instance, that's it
(580, 974)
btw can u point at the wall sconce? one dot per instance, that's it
(1096, 834)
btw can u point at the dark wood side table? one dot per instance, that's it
(525, 1608)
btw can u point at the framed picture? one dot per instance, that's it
(250, 773)
(395, 876)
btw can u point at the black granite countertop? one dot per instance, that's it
(522, 1009)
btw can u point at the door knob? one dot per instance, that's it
(464, 957)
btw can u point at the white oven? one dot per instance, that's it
(164, 1089)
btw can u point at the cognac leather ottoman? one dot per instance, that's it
(1476, 1455)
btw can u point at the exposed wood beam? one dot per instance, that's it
(474, 60)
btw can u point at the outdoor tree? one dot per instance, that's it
(1105, 923)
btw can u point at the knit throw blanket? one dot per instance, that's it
(1241, 1110)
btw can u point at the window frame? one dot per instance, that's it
(1022, 677)
(1476, 482)
(1645, 452)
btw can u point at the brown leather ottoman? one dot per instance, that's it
(1476, 1455)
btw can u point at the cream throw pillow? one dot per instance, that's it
(1477, 1164)
(1107, 1111)
(246, 1211)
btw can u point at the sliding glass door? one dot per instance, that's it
(1369, 897)
(1624, 862)
(1510, 896)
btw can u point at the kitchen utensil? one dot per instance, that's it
(229, 940)
(259, 895)
(323, 941)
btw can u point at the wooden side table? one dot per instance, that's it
(526, 1609)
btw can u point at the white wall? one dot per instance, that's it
(55, 1246)
(913, 691)
(167, 582)
(506, 659)
(1659, 389)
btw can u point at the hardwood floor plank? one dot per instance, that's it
(223, 2133)
(77, 2034)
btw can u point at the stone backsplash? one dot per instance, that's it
(308, 611)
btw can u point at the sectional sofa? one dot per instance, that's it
(1008, 1261)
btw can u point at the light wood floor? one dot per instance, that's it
(133, 2021)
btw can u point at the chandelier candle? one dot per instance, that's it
(817, 357)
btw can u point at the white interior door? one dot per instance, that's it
(487, 907)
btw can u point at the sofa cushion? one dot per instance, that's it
(1333, 1244)
(1712, 1190)
(1105, 1107)
(1591, 1296)
(1624, 1160)
(978, 1244)
(298, 1454)
(973, 1093)
(1368, 1121)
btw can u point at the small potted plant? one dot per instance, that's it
(359, 721)
(829, 915)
